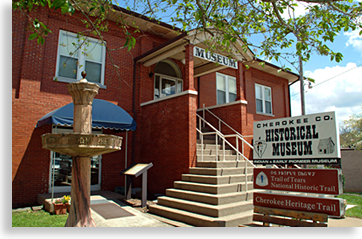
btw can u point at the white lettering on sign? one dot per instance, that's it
(222, 60)
(298, 203)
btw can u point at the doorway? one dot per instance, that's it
(60, 175)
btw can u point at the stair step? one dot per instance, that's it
(210, 188)
(202, 220)
(213, 152)
(219, 171)
(208, 141)
(213, 158)
(213, 199)
(212, 146)
(204, 208)
(216, 179)
(223, 164)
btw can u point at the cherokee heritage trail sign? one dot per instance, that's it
(308, 139)
(320, 181)
(213, 57)
(329, 206)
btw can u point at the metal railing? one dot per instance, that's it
(223, 137)
(220, 122)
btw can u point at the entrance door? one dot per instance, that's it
(60, 176)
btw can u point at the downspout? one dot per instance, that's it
(198, 89)
(134, 107)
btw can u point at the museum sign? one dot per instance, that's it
(308, 139)
(213, 57)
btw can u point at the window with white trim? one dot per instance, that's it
(263, 99)
(77, 54)
(168, 79)
(225, 88)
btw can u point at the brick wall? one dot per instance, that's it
(168, 140)
(240, 116)
(35, 94)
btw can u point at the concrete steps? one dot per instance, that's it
(212, 194)
(201, 220)
(204, 208)
(213, 199)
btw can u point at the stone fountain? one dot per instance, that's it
(81, 145)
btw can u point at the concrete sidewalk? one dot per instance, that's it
(345, 222)
(139, 219)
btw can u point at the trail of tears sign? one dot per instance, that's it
(308, 139)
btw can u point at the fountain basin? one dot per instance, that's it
(81, 145)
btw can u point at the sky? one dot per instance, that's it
(338, 86)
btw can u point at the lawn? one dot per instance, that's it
(39, 218)
(353, 199)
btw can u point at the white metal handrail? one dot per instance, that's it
(240, 136)
(222, 122)
(219, 134)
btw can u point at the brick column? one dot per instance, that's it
(188, 81)
(240, 82)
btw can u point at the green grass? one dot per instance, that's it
(39, 218)
(353, 199)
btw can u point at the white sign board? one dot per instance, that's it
(222, 60)
(308, 139)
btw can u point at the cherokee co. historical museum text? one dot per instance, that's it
(308, 139)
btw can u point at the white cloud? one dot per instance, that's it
(333, 91)
(300, 10)
(354, 40)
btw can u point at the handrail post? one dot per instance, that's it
(223, 148)
(217, 154)
(200, 124)
(203, 115)
(237, 147)
(246, 176)
(202, 146)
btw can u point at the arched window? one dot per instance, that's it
(168, 79)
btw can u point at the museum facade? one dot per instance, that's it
(162, 84)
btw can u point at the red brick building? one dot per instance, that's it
(162, 83)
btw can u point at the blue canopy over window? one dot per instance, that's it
(104, 115)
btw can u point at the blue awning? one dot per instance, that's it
(104, 115)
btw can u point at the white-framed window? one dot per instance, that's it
(225, 88)
(166, 85)
(168, 79)
(263, 99)
(77, 54)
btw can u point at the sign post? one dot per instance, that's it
(136, 170)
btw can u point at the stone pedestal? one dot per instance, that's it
(80, 213)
